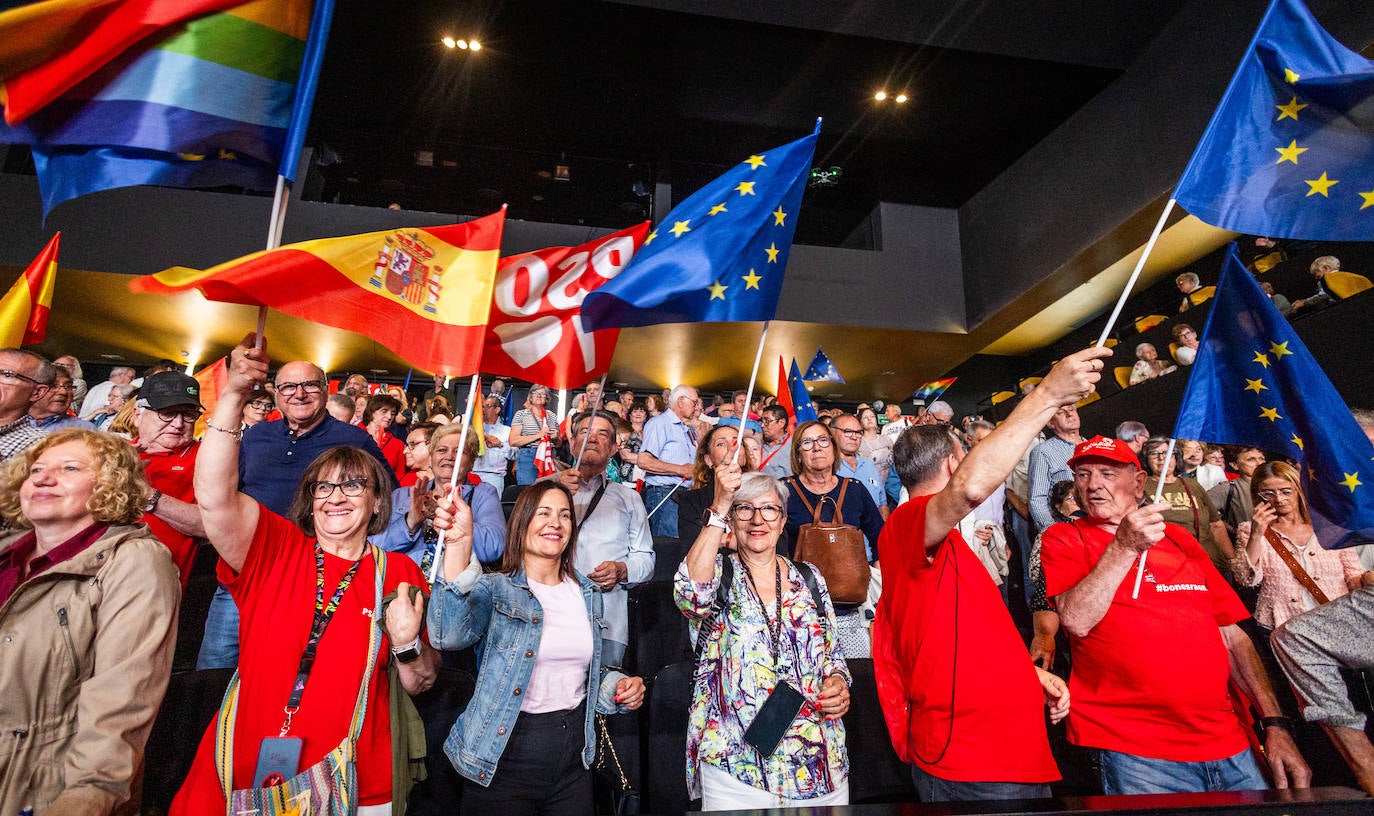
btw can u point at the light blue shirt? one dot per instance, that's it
(669, 440)
(866, 473)
(617, 530)
(488, 525)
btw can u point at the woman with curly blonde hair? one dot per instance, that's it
(89, 599)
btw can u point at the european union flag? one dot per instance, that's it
(717, 256)
(1255, 383)
(1290, 149)
(803, 408)
(822, 370)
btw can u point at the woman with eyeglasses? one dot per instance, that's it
(1282, 524)
(1190, 506)
(532, 426)
(717, 447)
(774, 635)
(309, 588)
(817, 483)
(257, 408)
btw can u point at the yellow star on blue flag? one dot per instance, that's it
(1297, 91)
(722, 233)
(821, 369)
(1238, 396)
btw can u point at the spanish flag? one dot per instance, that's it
(24, 308)
(424, 293)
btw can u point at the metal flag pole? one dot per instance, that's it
(1159, 493)
(600, 395)
(749, 393)
(473, 391)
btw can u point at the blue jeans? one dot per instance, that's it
(1127, 773)
(931, 788)
(220, 648)
(663, 522)
(525, 471)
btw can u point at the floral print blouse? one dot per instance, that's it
(737, 673)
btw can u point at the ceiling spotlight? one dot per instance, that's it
(474, 45)
(880, 95)
(901, 99)
(449, 42)
(463, 44)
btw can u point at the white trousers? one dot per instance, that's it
(721, 791)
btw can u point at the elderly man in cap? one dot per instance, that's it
(1150, 668)
(165, 416)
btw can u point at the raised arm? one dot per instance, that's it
(229, 516)
(992, 460)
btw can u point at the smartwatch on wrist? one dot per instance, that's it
(409, 653)
(714, 519)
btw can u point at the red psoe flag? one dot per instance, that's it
(535, 331)
(24, 308)
(423, 293)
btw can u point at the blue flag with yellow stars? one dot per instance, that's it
(1290, 149)
(717, 256)
(822, 370)
(802, 405)
(1255, 383)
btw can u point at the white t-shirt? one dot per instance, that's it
(559, 679)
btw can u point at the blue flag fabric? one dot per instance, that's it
(1255, 383)
(1289, 150)
(822, 370)
(719, 255)
(801, 398)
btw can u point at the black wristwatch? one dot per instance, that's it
(1277, 722)
(408, 653)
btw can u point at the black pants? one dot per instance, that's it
(540, 772)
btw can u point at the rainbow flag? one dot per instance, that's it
(204, 103)
(425, 294)
(933, 389)
(24, 308)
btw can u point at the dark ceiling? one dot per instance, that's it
(627, 95)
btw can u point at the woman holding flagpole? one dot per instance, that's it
(532, 426)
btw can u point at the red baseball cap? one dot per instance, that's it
(1100, 447)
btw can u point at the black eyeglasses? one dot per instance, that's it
(745, 512)
(6, 374)
(261, 405)
(350, 488)
(851, 432)
(187, 415)
(417, 443)
(309, 386)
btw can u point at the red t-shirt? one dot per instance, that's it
(936, 616)
(172, 473)
(394, 452)
(275, 593)
(1151, 678)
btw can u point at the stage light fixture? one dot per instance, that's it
(463, 44)
(880, 96)
(474, 45)
(449, 42)
(901, 99)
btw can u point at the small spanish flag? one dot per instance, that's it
(424, 293)
(24, 308)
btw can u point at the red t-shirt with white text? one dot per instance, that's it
(1150, 679)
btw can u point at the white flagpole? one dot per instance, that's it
(274, 232)
(600, 395)
(1135, 274)
(473, 391)
(749, 393)
(1159, 493)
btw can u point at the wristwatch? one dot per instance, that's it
(713, 519)
(151, 505)
(408, 653)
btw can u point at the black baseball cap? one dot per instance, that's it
(168, 388)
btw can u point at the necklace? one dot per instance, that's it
(772, 625)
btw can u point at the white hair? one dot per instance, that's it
(678, 392)
(942, 408)
(1328, 262)
(1141, 348)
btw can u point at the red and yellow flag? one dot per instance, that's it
(24, 308)
(424, 293)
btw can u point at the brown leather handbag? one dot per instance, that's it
(835, 548)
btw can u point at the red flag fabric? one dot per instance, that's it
(784, 392)
(51, 46)
(543, 458)
(24, 309)
(212, 379)
(535, 330)
(423, 293)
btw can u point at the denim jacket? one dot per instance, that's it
(501, 614)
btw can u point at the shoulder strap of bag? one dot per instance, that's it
(727, 579)
(839, 502)
(801, 494)
(1294, 567)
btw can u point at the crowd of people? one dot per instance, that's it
(366, 537)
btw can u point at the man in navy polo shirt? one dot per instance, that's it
(272, 458)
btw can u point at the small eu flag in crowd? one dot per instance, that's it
(719, 255)
(1290, 148)
(822, 370)
(804, 410)
(1255, 383)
